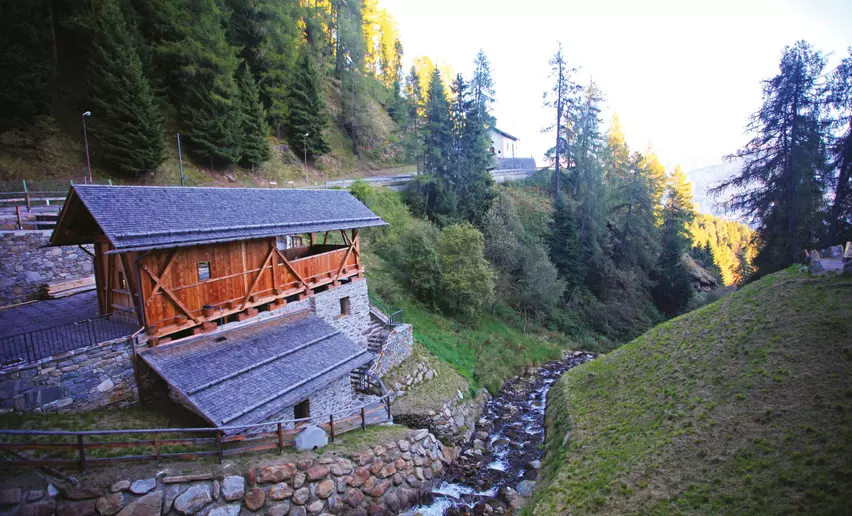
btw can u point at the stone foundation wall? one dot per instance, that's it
(455, 421)
(356, 323)
(398, 346)
(25, 265)
(83, 379)
(386, 479)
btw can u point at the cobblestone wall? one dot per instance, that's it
(356, 323)
(25, 265)
(82, 379)
(397, 347)
(385, 479)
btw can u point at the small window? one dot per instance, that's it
(122, 281)
(203, 271)
(302, 410)
(344, 306)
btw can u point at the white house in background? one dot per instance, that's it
(503, 144)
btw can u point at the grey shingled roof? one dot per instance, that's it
(244, 376)
(515, 164)
(147, 217)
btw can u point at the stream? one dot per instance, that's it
(498, 467)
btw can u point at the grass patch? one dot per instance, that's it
(741, 407)
(429, 394)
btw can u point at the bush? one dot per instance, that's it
(467, 283)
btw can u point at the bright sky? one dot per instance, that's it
(682, 75)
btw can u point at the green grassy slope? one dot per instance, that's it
(741, 407)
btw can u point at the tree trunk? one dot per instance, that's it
(794, 183)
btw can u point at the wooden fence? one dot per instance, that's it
(179, 443)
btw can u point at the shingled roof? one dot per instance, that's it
(148, 217)
(246, 375)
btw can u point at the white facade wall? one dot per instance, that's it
(504, 147)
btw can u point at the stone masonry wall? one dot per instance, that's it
(398, 346)
(356, 323)
(83, 379)
(390, 477)
(25, 265)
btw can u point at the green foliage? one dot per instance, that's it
(467, 283)
(128, 123)
(253, 128)
(564, 241)
(716, 411)
(674, 283)
(722, 244)
(306, 119)
(26, 64)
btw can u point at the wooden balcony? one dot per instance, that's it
(243, 276)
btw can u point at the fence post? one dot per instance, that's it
(387, 406)
(18, 213)
(363, 421)
(157, 445)
(280, 438)
(331, 425)
(82, 449)
(27, 195)
(91, 326)
(219, 446)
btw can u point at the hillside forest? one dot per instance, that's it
(600, 247)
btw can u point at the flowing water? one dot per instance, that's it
(505, 452)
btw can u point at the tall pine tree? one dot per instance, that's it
(253, 129)
(128, 124)
(306, 118)
(674, 284)
(840, 145)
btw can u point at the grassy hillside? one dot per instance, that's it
(741, 407)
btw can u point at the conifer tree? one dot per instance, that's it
(253, 128)
(128, 126)
(562, 99)
(438, 150)
(781, 185)
(840, 146)
(674, 284)
(25, 63)
(565, 250)
(306, 118)
(414, 105)
(482, 88)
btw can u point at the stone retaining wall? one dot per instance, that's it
(397, 347)
(83, 379)
(25, 264)
(386, 479)
(455, 421)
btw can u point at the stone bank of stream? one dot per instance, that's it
(498, 467)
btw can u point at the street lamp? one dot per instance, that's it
(305, 147)
(86, 140)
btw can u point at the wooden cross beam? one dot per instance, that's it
(169, 293)
(291, 269)
(168, 266)
(259, 275)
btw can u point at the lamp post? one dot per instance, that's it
(305, 147)
(86, 140)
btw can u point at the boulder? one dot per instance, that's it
(78, 508)
(301, 496)
(80, 493)
(11, 496)
(110, 504)
(144, 486)
(45, 508)
(280, 509)
(525, 488)
(121, 485)
(233, 487)
(276, 473)
(149, 505)
(317, 472)
(316, 507)
(35, 495)
(325, 488)
(226, 510)
(280, 491)
(354, 497)
(341, 467)
(297, 510)
(358, 477)
(298, 480)
(193, 499)
(255, 498)
(311, 438)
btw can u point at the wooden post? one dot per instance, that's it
(157, 445)
(331, 425)
(363, 421)
(18, 213)
(219, 446)
(387, 406)
(280, 438)
(27, 195)
(82, 448)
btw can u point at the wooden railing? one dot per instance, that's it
(166, 443)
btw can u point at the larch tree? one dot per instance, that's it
(781, 185)
(562, 99)
(482, 89)
(128, 127)
(839, 100)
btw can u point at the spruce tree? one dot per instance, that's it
(564, 238)
(414, 105)
(839, 99)
(306, 117)
(562, 98)
(482, 88)
(25, 63)
(440, 196)
(253, 128)
(674, 283)
(781, 185)
(128, 124)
